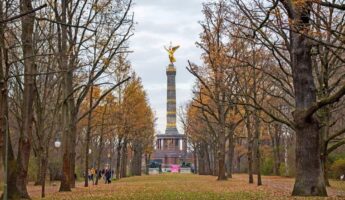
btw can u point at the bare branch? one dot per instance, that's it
(23, 14)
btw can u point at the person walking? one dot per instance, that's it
(93, 173)
(107, 176)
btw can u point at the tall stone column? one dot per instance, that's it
(171, 100)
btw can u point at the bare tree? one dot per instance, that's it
(296, 50)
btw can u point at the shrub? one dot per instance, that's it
(289, 173)
(335, 156)
(79, 170)
(267, 166)
(32, 169)
(338, 167)
(282, 170)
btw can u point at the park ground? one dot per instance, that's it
(184, 187)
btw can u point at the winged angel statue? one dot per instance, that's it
(171, 50)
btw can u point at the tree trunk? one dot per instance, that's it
(147, 163)
(24, 146)
(276, 165)
(22, 166)
(208, 168)
(73, 136)
(88, 137)
(118, 159)
(136, 160)
(66, 163)
(324, 117)
(215, 162)
(275, 137)
(230, 155)
(13, 192)
(86, 164)
(309, 175)
(124, 159)
(43, 172)
(39, 170)
(238, 164)
(99, 155)
(201, 159)
(66, 107)
(195, 162)
(324, 167)
(3, 86)
(257, 148)
(250, 151)
(221, 157)
(69, 138)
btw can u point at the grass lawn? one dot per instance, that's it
(184, 187)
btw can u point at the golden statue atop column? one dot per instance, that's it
(171, 50)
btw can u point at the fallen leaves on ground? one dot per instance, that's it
(185, 187)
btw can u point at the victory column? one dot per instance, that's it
(171, 147)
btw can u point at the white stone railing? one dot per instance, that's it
(185, 170)
(153, 171)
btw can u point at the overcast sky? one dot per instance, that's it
(158, 23)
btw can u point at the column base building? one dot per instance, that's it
(170, 149)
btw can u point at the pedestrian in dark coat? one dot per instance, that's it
(108, 176)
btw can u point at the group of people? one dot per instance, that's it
(105, 173)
